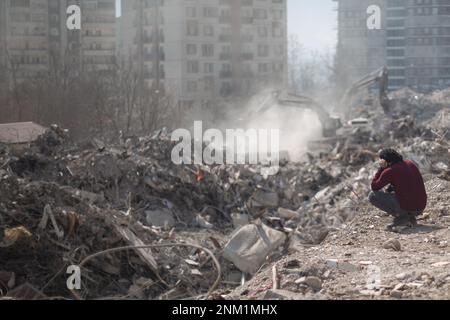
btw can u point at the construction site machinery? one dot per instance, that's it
(380, 76)
(330, 124)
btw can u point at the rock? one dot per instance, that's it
(282, 295)
(250, 245)
(196, 272)
(346, 266)
(368, 292)
(201, 222)
(332, 263)
(321, 195)
(342, 265)
(301, 280)
(399, 287)
(162, 218)
(314, 283)
(288, 214)
(240, 220)
(393, 244)
(327, 274)
(441, 166)
(396, 294)
(288, 193)
(440, 264)
(401, 276)
(414, 285)
(89, 197)
(192, 262)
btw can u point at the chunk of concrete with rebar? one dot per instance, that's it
(250, 245)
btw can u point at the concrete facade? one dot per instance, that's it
(360, 50)
(34, 36)
(414, 42)
(207, 48)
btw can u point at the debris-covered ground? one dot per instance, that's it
(309, 227)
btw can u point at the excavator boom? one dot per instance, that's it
(380, 76)
(329, 124)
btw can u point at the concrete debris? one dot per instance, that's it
(441, 264)
(396, 294)
(250, 245)
(240, 220)
(313, 282)
(288, 214)
(201, 222)
(392, 244)
(62, 201)
(342, 265)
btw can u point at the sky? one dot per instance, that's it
(313, 21)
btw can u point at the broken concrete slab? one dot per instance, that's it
(313, 282)
(240, 220)
(288, 214)
(250, 245)
(392, 244)
(341, 265)
(133, 240)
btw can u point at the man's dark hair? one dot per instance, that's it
(391, 156)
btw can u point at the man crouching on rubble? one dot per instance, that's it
(406, 197)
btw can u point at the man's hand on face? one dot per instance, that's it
(383, 163)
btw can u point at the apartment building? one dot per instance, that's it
(418, 43)
(415, 37)
(34, 36)
(2, 43)
(360, 50)
(204, 49)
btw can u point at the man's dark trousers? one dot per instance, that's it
(388, 203)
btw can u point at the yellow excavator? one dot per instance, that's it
(331, 124)
(380, 76)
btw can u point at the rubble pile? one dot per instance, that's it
(61, 202)
(419, 106)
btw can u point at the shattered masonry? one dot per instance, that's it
(61, 202)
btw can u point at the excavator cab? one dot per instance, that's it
(331, 126)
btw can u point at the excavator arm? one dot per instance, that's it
(380, 76)
(329, 124)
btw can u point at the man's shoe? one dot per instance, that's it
(413, 220)
(403, 221)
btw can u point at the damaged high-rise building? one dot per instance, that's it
(34, 37)
(413, 41)
(202, 50)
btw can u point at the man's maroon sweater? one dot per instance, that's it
(408, 183)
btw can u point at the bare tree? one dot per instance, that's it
(309, 72)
